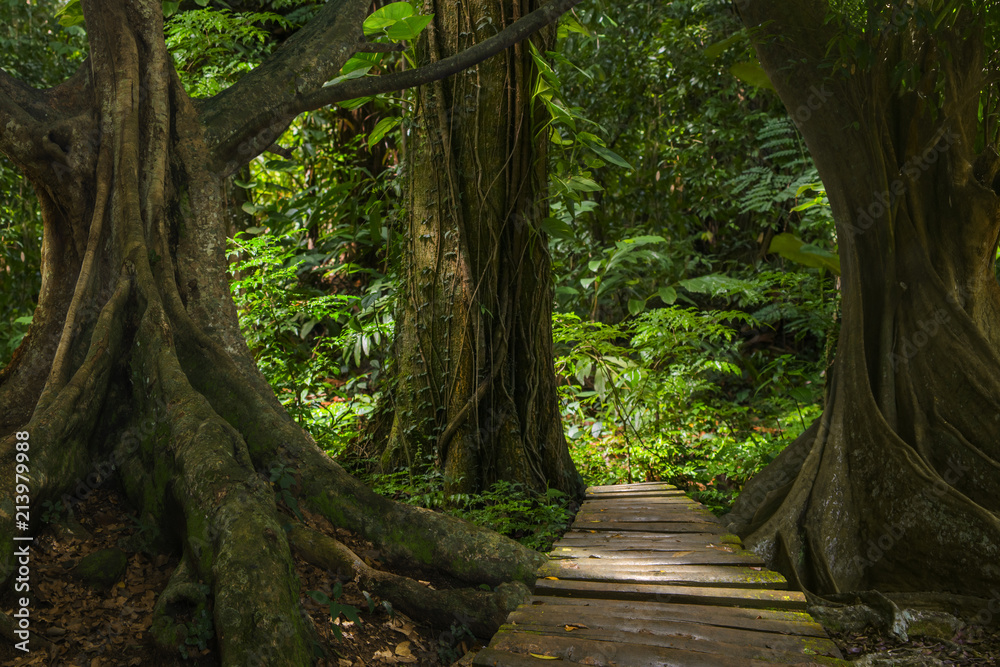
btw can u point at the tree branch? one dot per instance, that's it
(474, 55)
(245, 119)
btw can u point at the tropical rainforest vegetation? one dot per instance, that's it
(637, 245)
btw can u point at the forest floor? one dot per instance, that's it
(88, 627)
(110, 627)
(973, 646)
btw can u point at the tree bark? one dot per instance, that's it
(897, 485)
(134, 366)
(476, 391)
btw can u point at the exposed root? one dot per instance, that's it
(183, 596)
(483, 612)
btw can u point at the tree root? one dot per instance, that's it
(481, 611)
(183, 595)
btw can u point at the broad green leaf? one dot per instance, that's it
(408, 28)
(796, 250)
(360, 61)
(753, 74)
(668, 295)
(71, 14)
(636, 306)
(386, 16)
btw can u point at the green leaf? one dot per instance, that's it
(408, 28)
(753, 74)
(610, 156)
(318, 596)
(352, 104)
(636, 306)
(568, 24)
(71, 14)
(796, 250)
(349, 611)
(386, 16)
(717, 49)
(582, 184)
(381, 128)
(668, 295)
(556, 228)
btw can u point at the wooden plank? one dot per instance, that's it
(674, 575)
(652, 538)
(583, 517)
(648, 526)
(639, 486)
(525, 618)
(489, 657)
(761, 620)
(675, 557)
(662, 542)
(732, 597)
(637, 494)
(685, 505)
(611, 654)
(689, 643)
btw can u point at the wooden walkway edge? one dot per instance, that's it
(647, 576)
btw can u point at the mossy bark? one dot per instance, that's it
(476, 391)
(134, 366)
(897, 486)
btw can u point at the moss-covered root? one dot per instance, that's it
(482, 612)
(180, 606)
(407, 535)
(232, 539)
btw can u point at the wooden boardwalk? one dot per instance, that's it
(647, 576)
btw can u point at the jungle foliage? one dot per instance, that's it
(691, 344)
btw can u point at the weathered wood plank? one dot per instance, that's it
(692, 556)
(489, 657)
(646, 514)
(637, 486)
(762, 620)
(733, 597)
(638, 494)
(654, 540)
(776, 649)
(674, 575)
(648, 526)
(598, 619)
(611, 654)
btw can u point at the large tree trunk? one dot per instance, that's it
(476, 386)
(897, 486)
(134, 365)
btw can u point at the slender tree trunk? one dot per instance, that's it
(897, 486)
(476, 387)
(134, 366)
